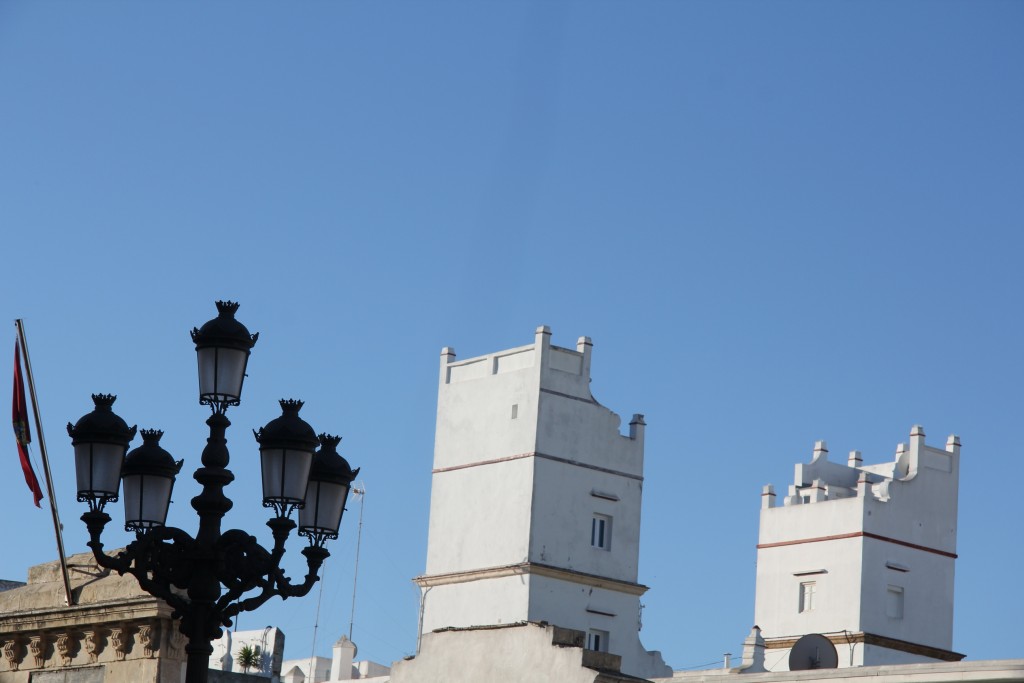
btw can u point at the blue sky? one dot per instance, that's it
(779, 222)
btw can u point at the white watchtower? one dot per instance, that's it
(535, 502)
(863, 555)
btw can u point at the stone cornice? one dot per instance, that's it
(127, 609)
(73, 644)
(521, 568)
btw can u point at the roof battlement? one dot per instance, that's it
(572, 365)
(823, 480)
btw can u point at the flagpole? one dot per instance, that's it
(68, 597)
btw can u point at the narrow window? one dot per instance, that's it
(601, 532)
(515, 410)
(808, 593)
(597, 640)
(894, 602)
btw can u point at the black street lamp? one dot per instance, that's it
(205, 578)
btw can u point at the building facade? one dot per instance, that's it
(863, 554)
(535, 502)
(114, 633)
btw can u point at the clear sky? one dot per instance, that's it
(779, 222)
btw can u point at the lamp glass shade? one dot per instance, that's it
(325, 503)
(146, 500)
(285, 475)
(98, 470)
(221, 373)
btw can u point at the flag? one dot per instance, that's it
(21, 433)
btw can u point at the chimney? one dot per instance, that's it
(341, 662)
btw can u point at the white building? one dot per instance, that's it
(513, 653)
(533, 547)
(306, 670)
(535, 502)
(341, 666)
(752, 670)
(269, 640)
(864, 555)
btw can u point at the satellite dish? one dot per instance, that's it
(813, 651)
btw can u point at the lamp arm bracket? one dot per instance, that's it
(238, 588)
(249, 604)
(164, 555)
(274, 582)
(280, 528)
(120, 563)
(243, 561)
(95, 521)
(246, 566)
(314, 560)
(156, 563)
(162, 590)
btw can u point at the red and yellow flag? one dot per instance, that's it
(21, 433)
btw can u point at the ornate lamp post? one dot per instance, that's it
(204, 578)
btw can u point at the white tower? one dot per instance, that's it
(535, 501)
(863, 555)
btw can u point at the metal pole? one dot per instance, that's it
(68, 597)
(361, 492)
(316, 623)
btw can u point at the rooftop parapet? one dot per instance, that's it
(559, 368)
(822, 480)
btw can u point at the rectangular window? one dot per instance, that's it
(597, 640)
(601, 532)
(894, 602)
(808, 594)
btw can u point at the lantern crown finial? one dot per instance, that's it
(104, 401)
(291, 405)
(329, 441)
(151, 435)
(227, 308)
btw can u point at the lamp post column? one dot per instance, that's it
(200, 624)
